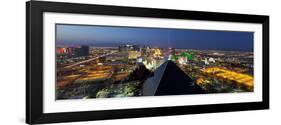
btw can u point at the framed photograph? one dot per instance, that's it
(95, 62)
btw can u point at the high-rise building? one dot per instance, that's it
(84, 50)
(81, 51)
(128, 47)
(60, 50)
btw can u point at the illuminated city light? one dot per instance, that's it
(134, 54)
(66, 80)
(97, 68)
(157, 53)
(238, 78)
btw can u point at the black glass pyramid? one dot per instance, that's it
(169, 79)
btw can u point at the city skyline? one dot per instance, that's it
(107, 36)
(113, 62)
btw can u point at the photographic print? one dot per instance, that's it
(95, 61)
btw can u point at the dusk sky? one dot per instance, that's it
(106, 36)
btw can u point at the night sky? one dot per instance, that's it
(106, 36)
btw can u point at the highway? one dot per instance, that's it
(89, 60)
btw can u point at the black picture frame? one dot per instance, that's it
(34, 61)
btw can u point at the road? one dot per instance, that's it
(89, 60)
